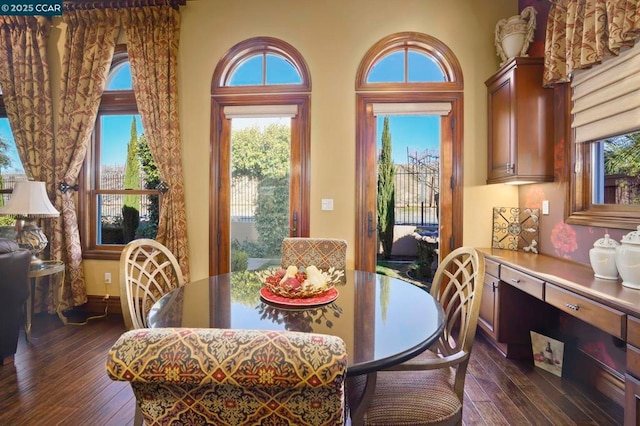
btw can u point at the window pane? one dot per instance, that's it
(119, 226)
(260, 171)
(616, 165)
(120, 78)
(121, 218)
(115, 137)
(389, 69)
(422, 68)
(11, 168)
(248, 73)
(281, 71)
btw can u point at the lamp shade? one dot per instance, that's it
(29, 199)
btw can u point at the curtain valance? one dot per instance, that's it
(581, 33)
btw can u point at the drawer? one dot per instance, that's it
(633, 331)
(522, 281)
(633, 360)
(605, 318)
(492, 267)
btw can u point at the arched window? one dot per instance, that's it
(119, 201)
(260, 98)
(407, 65)
(416, 81)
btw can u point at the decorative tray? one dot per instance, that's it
(320, 299)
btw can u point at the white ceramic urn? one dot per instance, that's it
(603, 258)
(513, 35)
(628, 259)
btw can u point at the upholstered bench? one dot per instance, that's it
(232, 377)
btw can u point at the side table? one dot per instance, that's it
(36, 272)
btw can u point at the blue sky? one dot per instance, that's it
(418, 133)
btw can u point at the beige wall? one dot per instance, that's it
(333, 36)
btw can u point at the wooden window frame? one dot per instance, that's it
(113, 102)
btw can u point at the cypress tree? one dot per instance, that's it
(131, 203)
(386, 193)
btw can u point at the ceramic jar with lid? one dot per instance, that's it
(603, 258)
(628, 259)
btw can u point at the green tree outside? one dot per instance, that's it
(386, 193)
(149, 229)
(263, 155)
(622, 158)
(131, 202)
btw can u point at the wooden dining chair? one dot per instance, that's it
(324, 253)
(209, 376)
(148, 271)
(428, 389)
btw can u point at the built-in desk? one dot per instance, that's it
(522, 289)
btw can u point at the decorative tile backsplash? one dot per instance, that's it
(516, 228)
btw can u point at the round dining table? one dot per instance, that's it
(383, 320)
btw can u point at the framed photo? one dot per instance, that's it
(547, 353)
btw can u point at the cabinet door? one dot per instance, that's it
(501, 128)
(488, 315)
(632, 400)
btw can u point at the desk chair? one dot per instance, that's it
(232, 377)
(148, 271)
(428, 389)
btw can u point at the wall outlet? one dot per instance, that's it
(545, 207)
(107, 277)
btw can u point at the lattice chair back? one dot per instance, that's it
(232, 377)
(457, 285)
(324, 253)
(148, 271)
(428, 389)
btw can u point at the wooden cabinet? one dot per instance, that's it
(487, 319)
(632, 378)
(520, 124)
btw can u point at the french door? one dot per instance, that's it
(449, 107)
(228, 224)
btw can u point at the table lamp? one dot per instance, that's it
(29, 201)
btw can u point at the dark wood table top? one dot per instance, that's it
(383, 320)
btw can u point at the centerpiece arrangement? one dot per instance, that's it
(297, 283)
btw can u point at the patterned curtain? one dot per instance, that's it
(152, 45)
(581, 33)
(24, 79)
(90, 42)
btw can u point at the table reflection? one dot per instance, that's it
(383, 320)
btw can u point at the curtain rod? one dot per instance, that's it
(71, 5)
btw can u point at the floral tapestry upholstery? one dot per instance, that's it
(324, 253)
(232, 377)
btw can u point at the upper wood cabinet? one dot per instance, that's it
(520, 113)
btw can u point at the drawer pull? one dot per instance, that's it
(515, 280)
(572, 306)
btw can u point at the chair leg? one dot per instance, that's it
(137, 419)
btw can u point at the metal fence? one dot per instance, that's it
(110, 205)
(417, 194)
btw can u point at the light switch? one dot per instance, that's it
(327, 204)
(545, 207)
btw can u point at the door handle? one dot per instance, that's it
(370, 227)
(294, 228)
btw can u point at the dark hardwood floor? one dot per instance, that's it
(59, 378)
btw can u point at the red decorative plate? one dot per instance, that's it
(321, 299)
